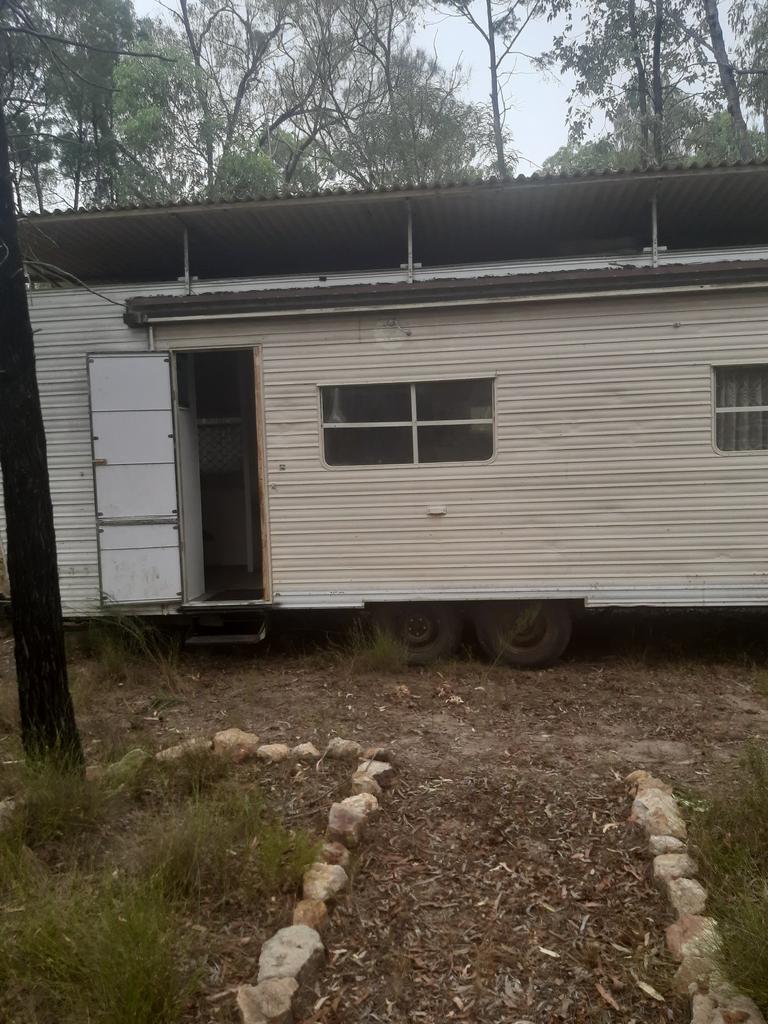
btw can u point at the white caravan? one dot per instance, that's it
(494, 402)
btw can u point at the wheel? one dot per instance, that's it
(529, 634)
(427, 631)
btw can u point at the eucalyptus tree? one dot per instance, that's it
(501, 25)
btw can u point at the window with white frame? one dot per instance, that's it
(741, 408)
(393, 424)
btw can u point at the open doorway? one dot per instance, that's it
(219, 476)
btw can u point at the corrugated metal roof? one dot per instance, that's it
(341, 229)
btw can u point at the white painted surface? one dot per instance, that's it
(122, 436)
(605, 485)
(191, 517)
(135, 478)
(130, 576)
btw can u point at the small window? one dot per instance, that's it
(741, 408)
(396, 424)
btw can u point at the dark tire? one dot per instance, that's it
(527, 634)
(428, 632)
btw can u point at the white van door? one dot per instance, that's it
(135, 477)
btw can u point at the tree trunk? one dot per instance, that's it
(728, 80)
(658, 87)
(642, 86)
(48, 726)
(498, 134)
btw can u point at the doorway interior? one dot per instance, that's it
(218, 439)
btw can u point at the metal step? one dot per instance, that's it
(225, 639)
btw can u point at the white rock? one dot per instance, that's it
(347, 819)
(665, 844)
(269, 1002)
(236, 744)
(343, 750)
(731, 1006)
(687, 896)
(668, 866)
(641, 780)
(380, 771)
(305, 752)
(692, 936)
(657, 812)
(334, 853)
(313, 913)
(174, 753)
(364, 803)
(273, 752)
(362, 783)
(324, 881)
(295, 952)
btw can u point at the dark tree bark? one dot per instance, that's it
(642, 85)
(498, 132)
(48, 726)
(658, 86)
(728, 80)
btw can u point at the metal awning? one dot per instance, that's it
(153, 309)
(519, 218)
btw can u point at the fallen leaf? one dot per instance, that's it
(606, 995)
(650, 991)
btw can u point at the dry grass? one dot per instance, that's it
(372, 649)
(100, 880)
(731, 836)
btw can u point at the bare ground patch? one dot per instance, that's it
(505, 841)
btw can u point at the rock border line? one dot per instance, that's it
(693, 937)
(291, 959)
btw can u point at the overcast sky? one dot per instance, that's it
(539, 107)
(537, 120)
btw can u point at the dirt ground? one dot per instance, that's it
(502, 883)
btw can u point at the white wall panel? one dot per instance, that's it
(605, 483)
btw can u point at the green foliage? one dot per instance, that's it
(731, 838)
(107, 953)
(57, 805)
(281, 856)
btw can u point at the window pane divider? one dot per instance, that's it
(414, 426)
(741, 408)
(374, 423)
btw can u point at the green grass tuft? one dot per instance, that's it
(57, 805)
(280, 856)
(730, 833)
(106, 953)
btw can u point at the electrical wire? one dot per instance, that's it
(73, 277)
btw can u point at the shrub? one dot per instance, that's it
(731, 837)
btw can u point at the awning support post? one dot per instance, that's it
(654, 232)
(410, 241)
(187, 278)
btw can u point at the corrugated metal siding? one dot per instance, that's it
(605, 483)
(604, 480)
(69, 323)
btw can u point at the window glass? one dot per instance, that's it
(367, 403)
(368, 446)
(471, 442)
(738, 386)
(741, 408)
(742, 431)
(375, 424)
(454, 400)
